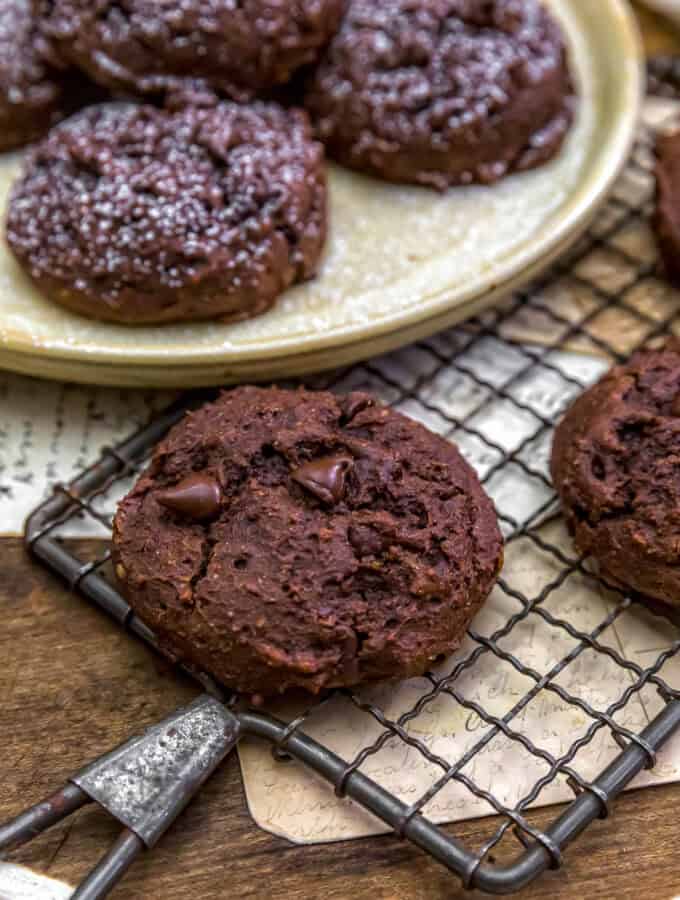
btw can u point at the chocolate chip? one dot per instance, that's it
(353, 404)
(326, 478)
(197, 497)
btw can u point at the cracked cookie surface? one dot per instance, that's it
(615, 464)
(443, 92)
(287, 539)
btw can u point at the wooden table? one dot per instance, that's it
(72, 685)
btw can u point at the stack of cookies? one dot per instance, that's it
(197, 190)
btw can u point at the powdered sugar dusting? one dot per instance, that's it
(442, 92)
(131, 212)
(146, 46)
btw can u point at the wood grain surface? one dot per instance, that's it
(72, 685)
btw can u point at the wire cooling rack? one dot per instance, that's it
(428, 380)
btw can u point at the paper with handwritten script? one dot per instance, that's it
(49, 432)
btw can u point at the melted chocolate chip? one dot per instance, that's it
(197, 497)
(354, 403)
(325, 478)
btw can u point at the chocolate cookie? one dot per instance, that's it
(150, 46)
(615, 465)
(297, 539)
(31, 95)
(134, 214)
(667, 213)
(443, 92)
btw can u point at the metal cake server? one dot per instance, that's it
(145, 783)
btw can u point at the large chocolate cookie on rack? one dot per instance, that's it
(615, 463)
(31, 95)
(443, 92)
(287, 539)
(134, 214)
(150, 46)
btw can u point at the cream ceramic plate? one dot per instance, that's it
(401, 262)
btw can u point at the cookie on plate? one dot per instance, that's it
(615, 462)
(134, 214)
(667, 213)
(287, 539)
(31, 94)
(443, 92)
(150, 46)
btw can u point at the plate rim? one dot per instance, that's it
(94, 372)
(573, 219)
